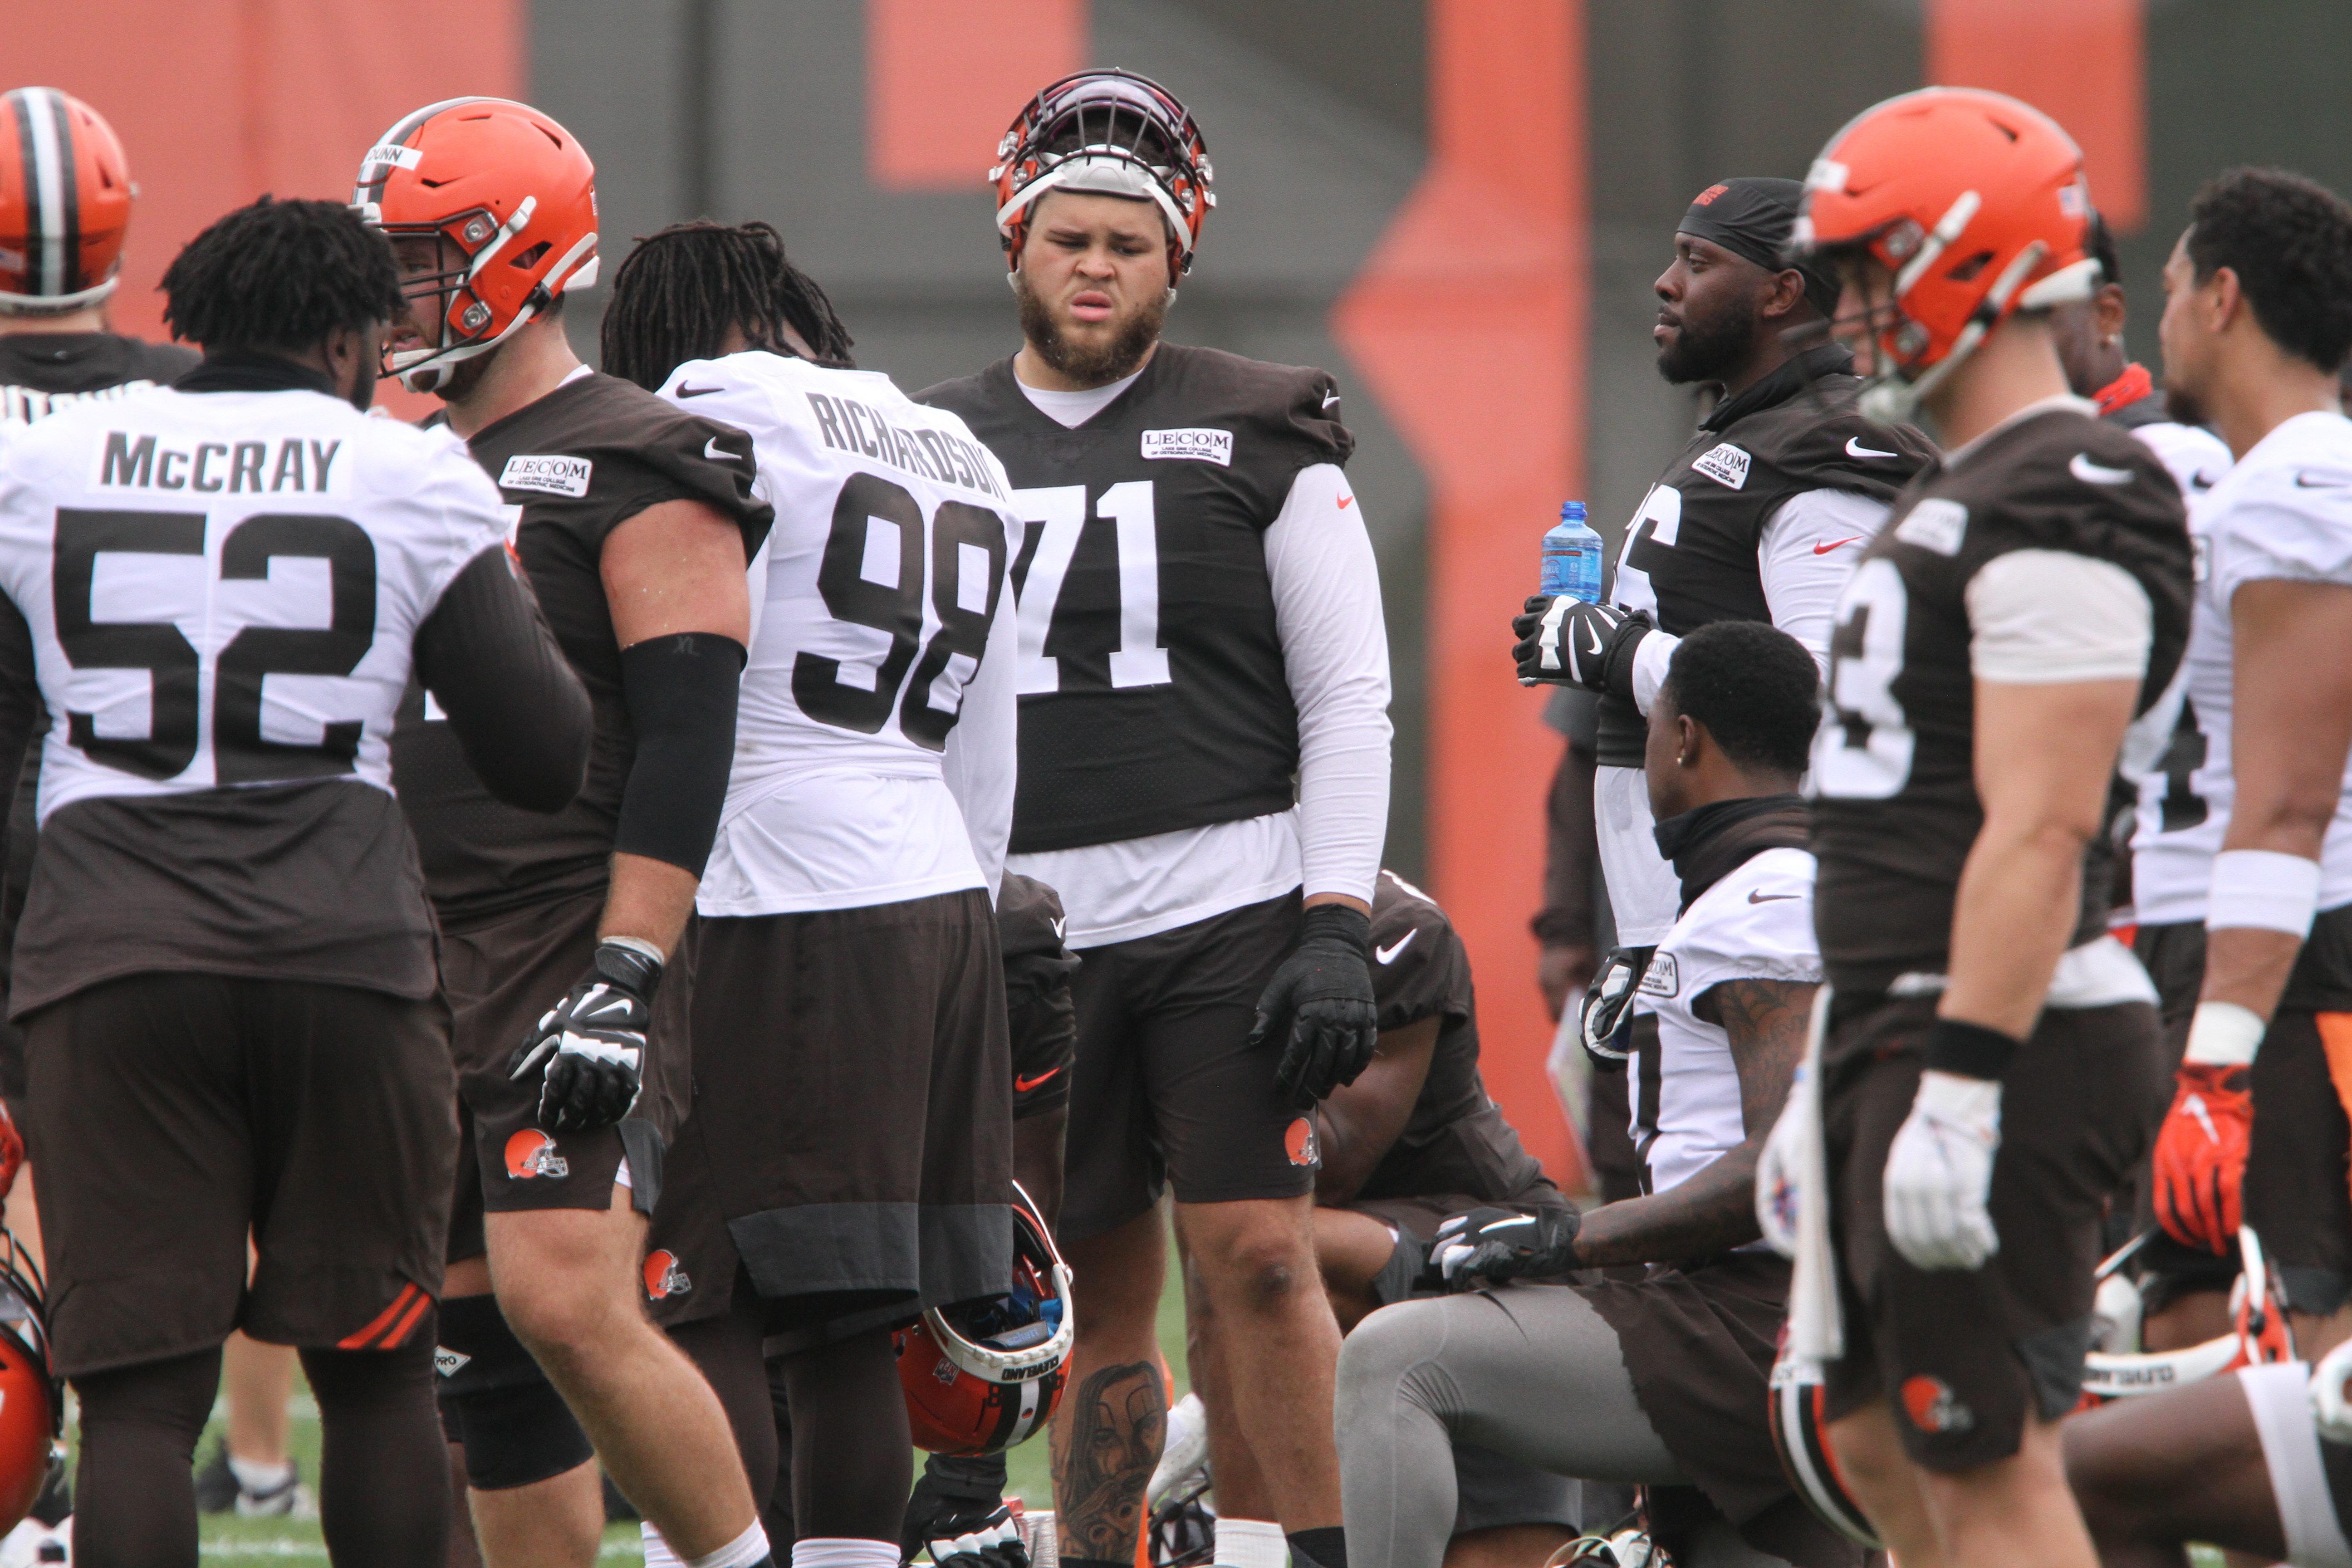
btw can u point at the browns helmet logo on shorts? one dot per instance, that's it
(1930, 1404)
(664, 1277)
(1298, 1143)
(531, 1152)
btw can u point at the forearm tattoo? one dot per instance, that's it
(1105, 1458)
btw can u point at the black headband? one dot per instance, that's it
(1750, 216)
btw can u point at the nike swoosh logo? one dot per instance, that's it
(1771, 898)
(2201, 481)
(1855, 448)
(2091, 473)
(1330, 398)
(1388, 954)
(1594, 636)
(1023, 1084)
(685, 391)
(1060, 926)
(1346, 501)
(1825, 549)
(718, 454)
(2302, 481)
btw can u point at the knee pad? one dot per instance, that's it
(496, 1401)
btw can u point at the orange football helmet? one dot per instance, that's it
(32, 1397)
(982, 1376)
(515, 196)
(1799, 1436)
(65, 203)
(1110, 131)
(1974, 201)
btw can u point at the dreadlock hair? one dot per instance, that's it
(679, 292)
(282, 274)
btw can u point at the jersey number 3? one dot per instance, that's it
(240, 754)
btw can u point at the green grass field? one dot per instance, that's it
(233, 1542)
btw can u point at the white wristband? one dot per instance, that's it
(2263, 890)
(638, 944)
(1651, 656)
(2223, 1034)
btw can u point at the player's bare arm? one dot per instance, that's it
(1715, 1210)
(1359, 1123)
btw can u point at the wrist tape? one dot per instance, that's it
(2264, 890)
(2224, 1034)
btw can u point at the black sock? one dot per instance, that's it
(1325, 1548)
(1094, 1563)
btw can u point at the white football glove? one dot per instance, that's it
(1779, 1167)
(1939, 1173)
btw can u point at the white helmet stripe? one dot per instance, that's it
(40, 121)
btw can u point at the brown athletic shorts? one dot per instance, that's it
(501, 978)
(2297, 1195)
(853, 1106)
(1166, 1089)
(172, 1114)
(1964, 1356)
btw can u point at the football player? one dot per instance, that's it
(2258, 319)
(1659, 1380)
(226, 968)
(1990, 1064)
(1759, 517)
(852, 1075)
(59, 156)
(568, 934)
(1200, 625)
(1412, 1142)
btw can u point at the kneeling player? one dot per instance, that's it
(854, 1086)
(226, 965)
(1413, 1141)
(1660, 1381)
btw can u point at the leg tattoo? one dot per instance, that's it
(1115, 1432)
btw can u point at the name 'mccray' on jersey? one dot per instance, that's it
(875, 752)
(2283, 512)
(1154, 695)
(2053, 522)
(1691, 554)
(221, 592)
(570, 467)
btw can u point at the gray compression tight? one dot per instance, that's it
(1530, 1370)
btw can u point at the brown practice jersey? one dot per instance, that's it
(1895, 810)
(1456, 1143)
(572, 466)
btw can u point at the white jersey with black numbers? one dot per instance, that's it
(223, 587)
(2283, 512)
(1755, 923)
(874, 746)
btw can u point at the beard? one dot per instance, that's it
(1089, 364)
(1707, 348)
(2180, 405)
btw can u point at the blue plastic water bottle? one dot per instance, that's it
(1571, 557)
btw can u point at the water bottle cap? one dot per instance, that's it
(1571, 511)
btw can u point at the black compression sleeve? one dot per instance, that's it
(681, 695)
(520, 712)
(20, 692)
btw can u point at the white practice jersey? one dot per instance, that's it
(1756, 923)
(2283, 512)
(222, 587)
(875, 747)
(2192, 455)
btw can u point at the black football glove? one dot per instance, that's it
(1568, 642)
(1490, 1245)
(1608, 1006)
(955, 1495)
(590, 1050)
(1319, 1006)
(993, 1542)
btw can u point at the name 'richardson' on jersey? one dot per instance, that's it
(847, 425)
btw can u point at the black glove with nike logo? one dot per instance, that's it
(1491, 1246)
(590, 1050)
(1568, 642)
(1319, 1006)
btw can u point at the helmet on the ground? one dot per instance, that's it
(1112, 132)
(32, 1397)
(65, 203)
(1806, 1458)
(1974, 201)
(512, 191)
(981, 1376)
